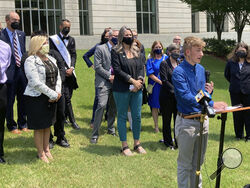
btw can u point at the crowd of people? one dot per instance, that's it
(43, 80)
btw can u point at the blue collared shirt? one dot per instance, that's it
(188, 80)
(5, 58)
(10, 34)
(110, 46)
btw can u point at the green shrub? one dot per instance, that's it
(220, 48)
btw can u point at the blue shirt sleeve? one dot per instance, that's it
(182, 90)
(88, 55)
(149, 67)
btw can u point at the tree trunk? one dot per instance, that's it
(239, 35)
(219, 33)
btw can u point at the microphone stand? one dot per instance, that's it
(198, 172)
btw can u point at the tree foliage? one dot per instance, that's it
(237, 10)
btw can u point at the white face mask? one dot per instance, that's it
(45, 49)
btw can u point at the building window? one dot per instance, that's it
(194, 19)
(146, 16)
(39, 15)
(84, 17)
(210, 24)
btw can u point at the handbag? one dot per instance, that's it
(150, 88)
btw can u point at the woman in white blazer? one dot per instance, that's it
(41, 93)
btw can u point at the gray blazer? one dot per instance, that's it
(102, 64)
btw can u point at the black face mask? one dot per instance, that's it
(158, 51)
(128, 40)
(175, 56)
(14, 25)
(65, 31)
(241, 54)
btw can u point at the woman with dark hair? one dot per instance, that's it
(128, 66)
(167, 97)
(153, 73)
(237, 72)
(86, 57)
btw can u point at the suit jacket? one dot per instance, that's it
(70, 80)
(21, 37)
(238, 79)
(124, 69)
(166, 72)
(102, 64)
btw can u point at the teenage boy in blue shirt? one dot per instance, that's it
(188, 79)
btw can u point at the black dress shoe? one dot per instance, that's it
(51, 144)
(2, 160)
(75, 126)
(62, 142)
(93, 140)
(66, 122)
(247, 139)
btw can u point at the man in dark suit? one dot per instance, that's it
(16, 82)
(65, 45)
(60, 116)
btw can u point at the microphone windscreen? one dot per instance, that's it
(207, 75)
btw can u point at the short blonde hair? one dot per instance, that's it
(36, 43)
(190, 42)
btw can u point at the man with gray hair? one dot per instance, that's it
(103, 82)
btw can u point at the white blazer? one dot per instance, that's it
(35, 73)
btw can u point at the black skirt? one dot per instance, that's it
(41, 114)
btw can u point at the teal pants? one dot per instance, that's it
(124, 100)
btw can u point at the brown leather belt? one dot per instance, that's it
(184, 115)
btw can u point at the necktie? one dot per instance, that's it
(18, 59)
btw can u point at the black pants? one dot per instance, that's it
(168, 109)
(3, 104)
(16, 89)
(243, 117)
(68, 92)
(60, 118)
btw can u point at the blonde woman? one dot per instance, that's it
(41, 93)
(128, 67)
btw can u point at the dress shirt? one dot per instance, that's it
(66, 41)
(240, 65)
(188, 80)
(110, 46)
(10, 34)
(5, 59)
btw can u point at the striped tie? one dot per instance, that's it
(18, 59)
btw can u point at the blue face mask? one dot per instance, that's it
(158, 51)
(114, 40)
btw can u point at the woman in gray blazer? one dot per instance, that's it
(41, 93)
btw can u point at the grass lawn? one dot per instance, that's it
(102, 165)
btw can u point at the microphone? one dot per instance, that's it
(203, 98)
(207, 75)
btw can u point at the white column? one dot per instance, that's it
(70, 11)
(5, 7)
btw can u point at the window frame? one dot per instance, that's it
(150, 14)
(39, 10)
(83, 12)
